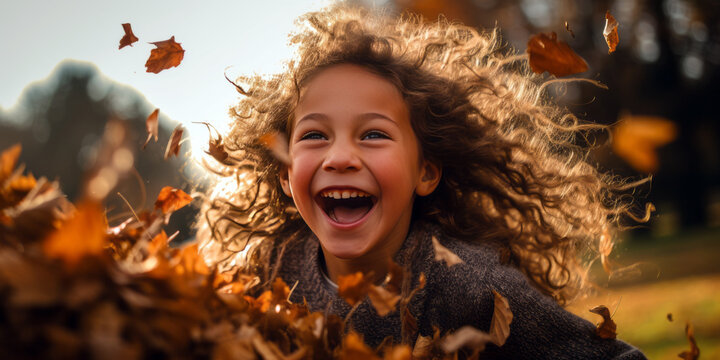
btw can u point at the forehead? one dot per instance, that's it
(351, 88)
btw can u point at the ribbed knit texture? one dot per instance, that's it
(454, 297)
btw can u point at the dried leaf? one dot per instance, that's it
(694, 352)
(8, 160)
(129, 38)
(80, 236)
(549, 54)
(394, 277)
(567, 27)
(151, 124)
(669, 317)
(466, 336)
(423, 348)
(353, 288)
(190, 262)
(399, 352)
(277, 143)
(171, 199)
(167, 54)
(158, 243)
(636, 138)
(607, 328)
(611, 32)
(443, 254)
(216, 149)
(605, 248)
(500, 323)
(353, 348)
(383, 300)
(173, 146)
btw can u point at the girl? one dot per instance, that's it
(402, 133)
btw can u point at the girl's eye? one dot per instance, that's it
(375, 134)
(313, 135)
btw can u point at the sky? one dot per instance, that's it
(242, 36)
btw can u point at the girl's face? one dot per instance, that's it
(355, 165)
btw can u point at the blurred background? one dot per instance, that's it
(64, 77)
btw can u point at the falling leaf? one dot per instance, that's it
(394, 277)
(190, 262)
(167, 54)
(610, 32)
(605, 248)
(383, 300)
(173, 146)
(216, 149)
(353, 348)
(443, 254)
(694, 352)
(549, 54)
(567, 27)
(606, 329)
(278, 145)
(423, 347)
(399, 352)
(151, 123)
(8, 160)
(669, 317)
(129, 38)
(171, 199)
(501, 319)
(158, 243)
(353, 287)
(636, 139)
(82, 235)
(466, 336)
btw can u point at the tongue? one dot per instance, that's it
(345, 215)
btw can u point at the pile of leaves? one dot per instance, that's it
(73, 287)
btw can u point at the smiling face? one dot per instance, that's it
(356, 165)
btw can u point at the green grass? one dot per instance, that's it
(641, 315)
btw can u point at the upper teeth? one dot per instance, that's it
(344, 194)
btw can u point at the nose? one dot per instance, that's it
(342, 157)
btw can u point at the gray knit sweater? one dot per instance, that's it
(457, 296)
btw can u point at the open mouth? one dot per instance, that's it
(346, 206)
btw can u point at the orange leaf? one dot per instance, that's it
(636, 138)
(353, 287)
(173, 146)
(278, 145)
(83, 234)
(216, 149)
(353, 348)
(607, 328)
(190, 262)
(383, 301)
(129, 37)
(549, 54)
(167, 54)
(151, 123)
(8, 160)
(158, 243)
(398, 352)
(694, 352)
(443, 254)
(500, 323)
(171, 199)
(610, 32)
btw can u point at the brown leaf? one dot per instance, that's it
(216, 149)
(500, 323)
(173, 146)
(636, 138)
(129, 38)
(669, 317)
(171, 199)
(443, 254)
(151, 124)
(466, 336)
(694, 352)
(353, 348)
(167, 54)
(398, 352)
(394, 277)
(610, 32)
(8, 160)
(189, 262)
(607, 328)
(383, 301)
(353, 287)
(80, 236)
(423, 347)
(277, 143)
(549, 54)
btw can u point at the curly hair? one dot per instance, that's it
(512, 168)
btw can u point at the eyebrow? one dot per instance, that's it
(364, 116)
